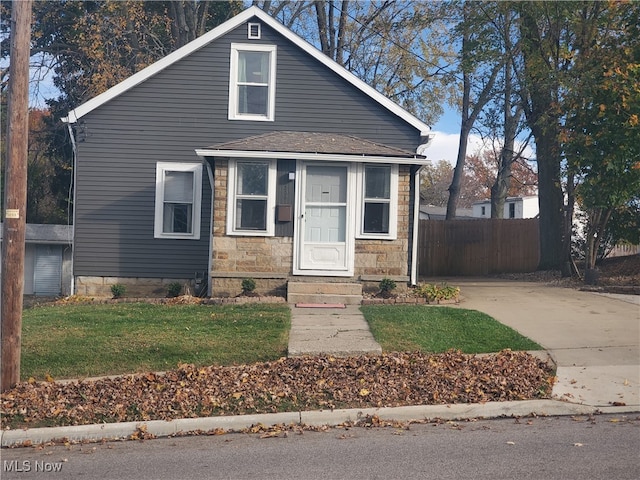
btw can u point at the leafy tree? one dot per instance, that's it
(554, 37)
(396, 47)
(479, 62)
(91, 46)
(434, 181)
(483, 167)
(602, 131)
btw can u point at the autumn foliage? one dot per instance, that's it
(288, 384)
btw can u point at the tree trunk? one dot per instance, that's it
(550, 199)
(541, 96)
(500, 188)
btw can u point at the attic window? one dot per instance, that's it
(254, 31)
(252, 82)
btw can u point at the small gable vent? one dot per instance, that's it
(254, 31)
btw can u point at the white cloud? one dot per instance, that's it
(444, 146)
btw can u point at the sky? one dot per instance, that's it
(444, 145)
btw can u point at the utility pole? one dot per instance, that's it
(15, 201)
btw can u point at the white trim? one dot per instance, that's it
(299, 231)
(221, 30)
(236, 48)
(196, 210)
(210, 240)
(393, 206)
(416, 227)
(316, 157)
(271, 201)
(258, 34)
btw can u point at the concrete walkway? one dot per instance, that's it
(332, 331)
(593, 338)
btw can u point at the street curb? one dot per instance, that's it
(162, 428)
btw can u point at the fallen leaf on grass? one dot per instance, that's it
(287, 384)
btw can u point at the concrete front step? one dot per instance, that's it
(325, 288)
(324, 292)
(303, 298)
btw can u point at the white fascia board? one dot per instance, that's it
(224, 28)
(321, 157)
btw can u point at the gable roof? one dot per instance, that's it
(200, 42)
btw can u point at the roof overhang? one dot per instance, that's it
(321, 157)
(77, 113)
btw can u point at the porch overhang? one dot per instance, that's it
(313, 147)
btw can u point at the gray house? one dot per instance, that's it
(246, 153)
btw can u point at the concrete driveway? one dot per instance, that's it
(593, 338)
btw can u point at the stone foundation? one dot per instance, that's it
(135, 287)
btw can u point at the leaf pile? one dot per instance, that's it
(288, 384)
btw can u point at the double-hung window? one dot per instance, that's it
(379, 201)
(252, 82)
(251, 203)
(178, 200)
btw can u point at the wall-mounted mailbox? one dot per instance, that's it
(284, 213)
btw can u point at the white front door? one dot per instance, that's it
(324, 233)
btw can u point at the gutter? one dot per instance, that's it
(416, 226)
(210, 261)
(73, 177)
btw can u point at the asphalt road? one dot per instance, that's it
(601, 447)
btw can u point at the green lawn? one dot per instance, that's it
(438, 329)
(87, 340)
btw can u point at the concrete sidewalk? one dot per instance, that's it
(593, 338)
(335, 331)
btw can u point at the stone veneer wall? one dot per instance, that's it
(135, 287)
(388, 257)
(269, 260)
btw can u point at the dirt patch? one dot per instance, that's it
(620, 271)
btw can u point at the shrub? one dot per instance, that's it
(248, 285)
(435, 293)
(118, 290)
(386, 285)
(174, 289)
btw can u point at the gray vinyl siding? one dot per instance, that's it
(167, 117)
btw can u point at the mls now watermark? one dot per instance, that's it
(26, 466)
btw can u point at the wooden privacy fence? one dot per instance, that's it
(477, 247)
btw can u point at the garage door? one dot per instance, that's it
(48, 270)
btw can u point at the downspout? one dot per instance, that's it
(73, 183)
(210, 261)
(416, 226)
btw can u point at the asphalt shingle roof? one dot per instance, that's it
(309, 142)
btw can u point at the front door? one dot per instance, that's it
(324, 234)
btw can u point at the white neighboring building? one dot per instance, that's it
(514, 207)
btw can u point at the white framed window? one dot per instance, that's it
(252, 82)
(178, 200)
(378, 193)
(254, 32)
(251, 197)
